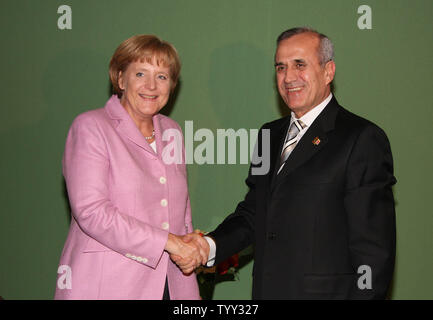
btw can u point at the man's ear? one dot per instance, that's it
(120, 81)
(329, 71)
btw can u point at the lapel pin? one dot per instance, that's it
(316, 141)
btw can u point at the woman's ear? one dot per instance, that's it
(120, 81)
(173, 86)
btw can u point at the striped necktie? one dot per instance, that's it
(291, 141)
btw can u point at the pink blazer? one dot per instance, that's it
(124, 200)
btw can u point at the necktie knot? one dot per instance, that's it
(294, 130)
(298, 124)
(291, 140)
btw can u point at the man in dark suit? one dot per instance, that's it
(322, 220)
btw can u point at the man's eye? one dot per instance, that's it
(162, 77)
(280, 68)
(139, 74)
(300, 65)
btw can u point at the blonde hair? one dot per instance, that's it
(143, 48)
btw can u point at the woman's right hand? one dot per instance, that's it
(184, 252)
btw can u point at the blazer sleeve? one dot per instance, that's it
(85, 168)
(188, 214)
(369, 204)
(188, 217)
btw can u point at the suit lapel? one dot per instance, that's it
(311, 142)
(277, 140)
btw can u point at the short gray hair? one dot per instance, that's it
(326, 48)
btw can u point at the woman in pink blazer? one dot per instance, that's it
(129, 205)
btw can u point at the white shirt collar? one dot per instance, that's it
(311, 115)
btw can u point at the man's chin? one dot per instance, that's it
(294, 107)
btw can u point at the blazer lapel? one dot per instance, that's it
(311, 142)
(126, 125)
(159, 131)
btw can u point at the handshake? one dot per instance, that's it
(189, 251)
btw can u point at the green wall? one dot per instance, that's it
(50, 75)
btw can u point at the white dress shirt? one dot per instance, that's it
(308, 120)
(153, 145)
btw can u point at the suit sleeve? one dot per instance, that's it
(369, 204)
(237, 231)
(85, 168)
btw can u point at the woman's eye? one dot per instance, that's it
(139, 74)
(162, 77)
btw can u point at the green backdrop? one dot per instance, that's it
(51, 75)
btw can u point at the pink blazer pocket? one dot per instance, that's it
(95, 246)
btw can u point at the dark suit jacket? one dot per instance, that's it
(327, 213)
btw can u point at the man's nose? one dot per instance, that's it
(290, 76)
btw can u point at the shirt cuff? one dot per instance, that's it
(212, 251)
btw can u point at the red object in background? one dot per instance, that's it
(224, 266)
